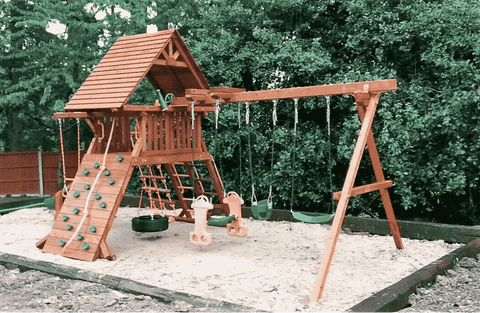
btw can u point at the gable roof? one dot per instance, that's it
(162, 57)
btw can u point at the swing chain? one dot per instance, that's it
(247, 114)
(328, 114)
(217, 110)
(275, 102)
(193, 114)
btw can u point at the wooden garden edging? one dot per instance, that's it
(12, 261)
(395, 297)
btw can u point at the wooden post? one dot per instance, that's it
(344, 198)
(40, 171)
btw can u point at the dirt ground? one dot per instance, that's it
(34, 291)
(456, 291)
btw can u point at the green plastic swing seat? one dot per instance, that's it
(322, 218)
(262, 210)
(221, 221)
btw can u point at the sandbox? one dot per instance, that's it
(273, 268)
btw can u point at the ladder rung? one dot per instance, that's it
(209, 193)
(156, 189)
(181, 175)
(203, 179)
(186, 187)
(152, 176)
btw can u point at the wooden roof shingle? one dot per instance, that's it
(161, 57)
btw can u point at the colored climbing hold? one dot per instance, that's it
(75, 210)
(65, 218)
(62, 242)
(96, 165)
(86, 172)
(111, 181)
(76, 194)
(80, 237)
(98, 196)
(92, 229)
(119, 158)
(102, 205)
(86, 186)
(69, 227)
(85, 246)
(106, 173)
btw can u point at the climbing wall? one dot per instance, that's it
(90, 242)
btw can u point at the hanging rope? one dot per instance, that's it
(102, 169)
(247, 114)
(65, 189)
(78, 141)
(193, 147)
(240, 148)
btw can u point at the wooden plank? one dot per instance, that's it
(131, 54)
(161, 34)
(132, 65)
(364, 189)
(170, 158)
(103, 94)
(137, 40)
(117, 83)
(171, 63)
(105, 89)
(100, 101)
(117, 74)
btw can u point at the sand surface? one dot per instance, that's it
(273, 268)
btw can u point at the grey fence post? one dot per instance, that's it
(40, 171)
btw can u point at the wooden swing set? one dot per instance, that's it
(169, 139)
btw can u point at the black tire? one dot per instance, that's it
(145, 223)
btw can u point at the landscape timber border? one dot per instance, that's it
(11, 261)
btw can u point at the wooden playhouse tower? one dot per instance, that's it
(162, 137)
(170, 138)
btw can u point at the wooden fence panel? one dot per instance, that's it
(19, 171)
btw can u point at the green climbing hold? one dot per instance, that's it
(80, 237)
(76, 194)
(86, 172)
(98, 196)
(85, 246)
(106, 173)
(111, 181)
(69, 227)
(96, 165)
(119, 158)
(75, 210)
(62, 243)
(86, 186)
(102, 205)
(92, 229)
(65, 218)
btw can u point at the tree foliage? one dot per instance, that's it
(427, 131)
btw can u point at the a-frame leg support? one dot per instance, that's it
(365, 136)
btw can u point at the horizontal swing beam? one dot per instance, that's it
(207, 97)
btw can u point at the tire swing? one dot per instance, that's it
(314, 218)
(149, 223)
(261, 210)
